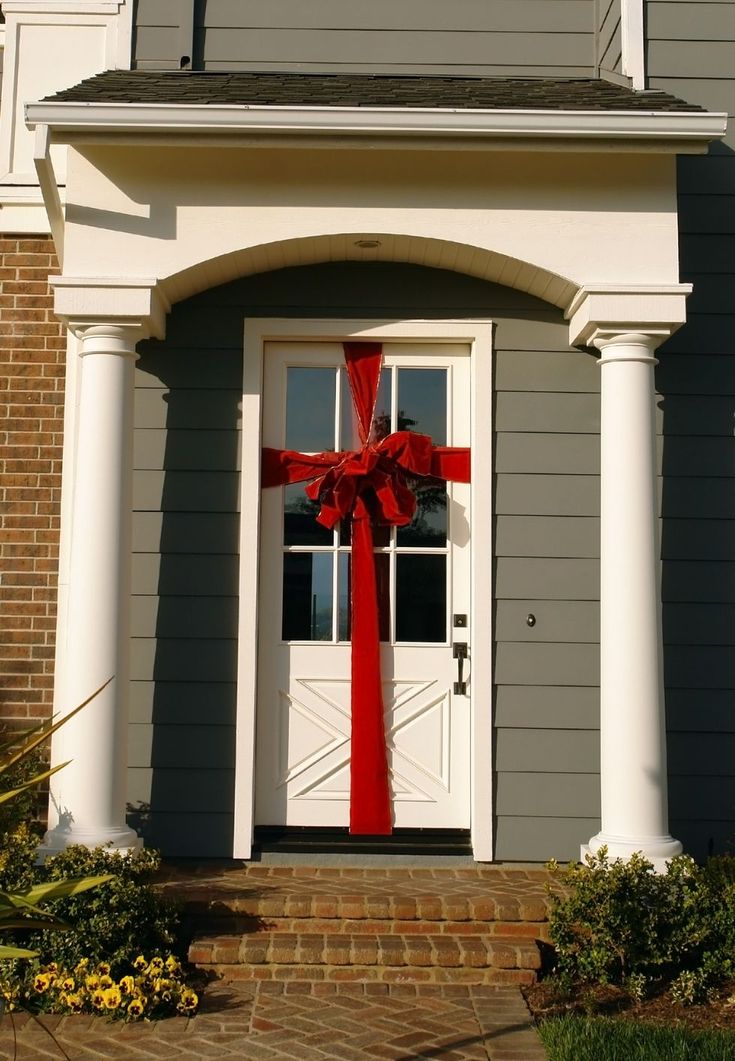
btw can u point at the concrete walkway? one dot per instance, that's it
(304, 1021)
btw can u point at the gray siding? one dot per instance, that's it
(547, 547)
(690, 48)
(538, 38)
(185, 564)
(608, 36)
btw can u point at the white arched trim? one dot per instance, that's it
(384, 247)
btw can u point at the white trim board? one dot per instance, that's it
(478, 333)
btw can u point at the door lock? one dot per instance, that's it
(459, 652)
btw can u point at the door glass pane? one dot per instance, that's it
(429, 524)
(421, 597)
(299, 519)
(382, 578)
(422, 402)
(310, 399)
(381, 533)
(350, 439)
(307, 597)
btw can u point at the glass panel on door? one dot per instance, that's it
(411, 562)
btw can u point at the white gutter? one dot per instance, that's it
(49, 188)
(66, 119)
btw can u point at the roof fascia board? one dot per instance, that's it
(66, 119)
(355, 142)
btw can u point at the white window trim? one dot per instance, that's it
(478, 333)
(633, 45)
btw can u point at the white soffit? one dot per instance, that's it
(682, 130)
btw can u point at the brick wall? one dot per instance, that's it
(32, 355)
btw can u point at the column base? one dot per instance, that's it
(659, 850)
(116, 838)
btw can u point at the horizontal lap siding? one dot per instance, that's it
(185, 564)
(184, 605)
(547, 548)
(609, 39)
(538, 38)
(690, 49)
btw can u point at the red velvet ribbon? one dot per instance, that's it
(368, 485)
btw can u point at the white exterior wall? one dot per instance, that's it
(589, 219)
(49, 45)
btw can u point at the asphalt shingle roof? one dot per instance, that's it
(245, 88)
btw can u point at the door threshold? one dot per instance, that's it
(304, 840)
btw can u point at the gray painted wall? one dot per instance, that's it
(185, 564)
(690, 51)
(609, 54)
(531, 38)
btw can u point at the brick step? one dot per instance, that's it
(405, 974)
(455, 954)
(220, 923)
(464, 926)
(483, 906)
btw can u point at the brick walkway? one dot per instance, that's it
(308, 1022)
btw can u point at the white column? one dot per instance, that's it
(632, 720)
(88, 795)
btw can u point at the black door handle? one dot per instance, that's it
(459, 652)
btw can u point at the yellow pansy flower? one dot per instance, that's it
(75, 1002)
(136, 1007)
(188, 1002)
(112, 997)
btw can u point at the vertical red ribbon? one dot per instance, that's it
(370, 803)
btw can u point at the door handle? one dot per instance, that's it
(460, 653)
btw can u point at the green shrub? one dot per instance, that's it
(18, 870)
(23, 808)
(620, 923)
(114, 922)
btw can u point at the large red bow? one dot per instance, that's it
(370, 486)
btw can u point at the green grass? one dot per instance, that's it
(604, 1039)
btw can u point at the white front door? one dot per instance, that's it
(302, 756)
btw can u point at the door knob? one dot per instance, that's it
(459, 652)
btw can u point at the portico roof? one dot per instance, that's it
(475, 108)
(279, 89)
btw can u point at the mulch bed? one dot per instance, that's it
(545, 1001)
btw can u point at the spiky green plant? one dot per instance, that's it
(22, 910)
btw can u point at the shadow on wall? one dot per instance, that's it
(696, 379)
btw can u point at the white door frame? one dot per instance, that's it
(477, 333)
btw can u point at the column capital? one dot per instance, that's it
(601, 313)
(616, 346)
(117, 306)
(108, 338)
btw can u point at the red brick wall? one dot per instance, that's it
(32, 356)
